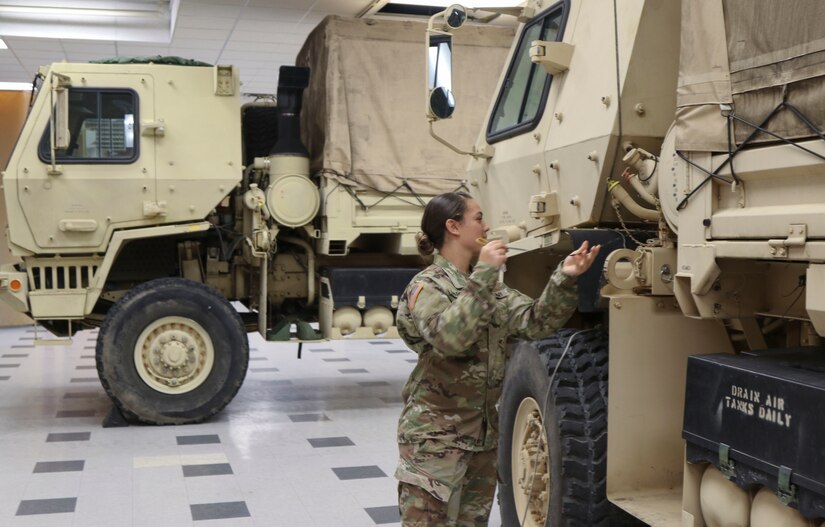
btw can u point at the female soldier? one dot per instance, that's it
(458, 319)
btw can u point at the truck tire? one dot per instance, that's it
(568, 484)
(172, 351)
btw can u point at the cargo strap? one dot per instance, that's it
(785, 491)
(726, 466)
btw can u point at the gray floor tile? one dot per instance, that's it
(217, 511)
(368, 384)
(4, 377)
(9, 365)
(382, 515)
(68, 436)
(89, 347)
(306, 418)
(22, 346)
(257, 358)
(264, 370)
(59, 466)
(392, 400)
(14, 355)
(413, 361)
(380, 342)
(353, 370)
(321, 350)
(84, 379)
(324, 442)
(87, 356)
(75, 413)
(198, 439)
(86, 367)
(365, 472)
(212, 469)
(49, 506)
(337, 359)
(398, 351)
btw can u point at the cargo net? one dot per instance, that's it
(400, 192)
(733, 149)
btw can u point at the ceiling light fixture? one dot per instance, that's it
(15, 86)
(137, 20)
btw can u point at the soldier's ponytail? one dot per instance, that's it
(448, 206)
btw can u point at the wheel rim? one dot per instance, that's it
(174, 355)
(530, 465)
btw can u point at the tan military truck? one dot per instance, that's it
(686, 139)
(142, 199)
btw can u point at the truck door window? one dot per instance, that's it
(102, 128)
(524, 91)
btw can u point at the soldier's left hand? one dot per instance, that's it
(580, 260)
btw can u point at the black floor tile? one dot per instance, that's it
(324, 442)
(81, 395)
(75, 413)
(49, 506)
(199, 439)
(68, 436)
(382, 515)
(218, 511)
(366, 472)
(212, 469)
(59, 466)
(307, 418)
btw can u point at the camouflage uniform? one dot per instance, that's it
(448, 430)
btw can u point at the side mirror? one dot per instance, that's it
(455, 16)
(440, 100)
(441, 104)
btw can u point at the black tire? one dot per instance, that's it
(154, 301)
(574, 419)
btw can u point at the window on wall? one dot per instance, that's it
(524, 91)
(102, 128)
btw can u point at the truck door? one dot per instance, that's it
(105, 178)
(515, 129)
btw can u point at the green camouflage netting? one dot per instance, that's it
(157, 59)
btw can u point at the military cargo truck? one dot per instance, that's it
(687, 139)
(142, 199)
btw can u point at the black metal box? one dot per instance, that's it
(760, 418)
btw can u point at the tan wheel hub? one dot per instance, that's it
(174, 355)
(530, 465)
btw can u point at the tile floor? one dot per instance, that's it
(306, 442)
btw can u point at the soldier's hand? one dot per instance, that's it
(493, 253)
(580, 260)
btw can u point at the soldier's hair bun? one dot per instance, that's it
(425, 245)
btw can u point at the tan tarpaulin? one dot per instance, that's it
(751, 55)
(363, 118)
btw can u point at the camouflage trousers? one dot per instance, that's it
(441, 486)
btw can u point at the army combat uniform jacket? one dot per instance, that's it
(459, 326)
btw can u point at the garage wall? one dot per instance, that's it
(13, 107)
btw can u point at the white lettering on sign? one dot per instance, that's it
(751, 402)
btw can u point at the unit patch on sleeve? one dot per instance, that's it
(413, 297)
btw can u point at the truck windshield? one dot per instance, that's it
(525, 88)
(101, 126)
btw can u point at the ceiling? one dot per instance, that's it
(257, 36)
